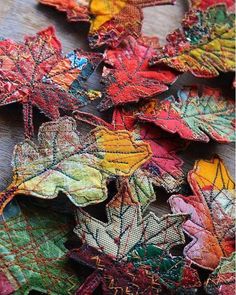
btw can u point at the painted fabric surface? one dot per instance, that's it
(35, 73)
(222, 279)
(78, 166)
(164, 166)
(204, 46)
(192, 116)
(128, 76)
(76, 10)
(111, 21)
(212, 222)
(32, 251)
(126, 228)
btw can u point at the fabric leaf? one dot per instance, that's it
(32, 251)
(76, 10)
(113, 276)
(76, 165)
(205, 46)
(205, 4)
(174, 273)
(222, 280)
(212, 219)
(129, 77)
(164, 166)
(111, 20)
(126, 228)
(35, 73)
(194, 117)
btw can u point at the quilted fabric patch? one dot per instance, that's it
(129, 76)
(35, 73)
(164, 166)
(78, 166)
(76, 10)
(222, 280)
(32, 251)
(204, 46)
(192, 116)
(212, 213)
(126, 228)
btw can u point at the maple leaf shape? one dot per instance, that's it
(32, 251)
(114, 277)
(194, 117)
(174, 272)
(76, 10)
(78, 166)
(131, 77)
(205, 4)
(35, 73)
(126, 228)
(222, 280)
(205, 46)
(211, 209)
(162, 169)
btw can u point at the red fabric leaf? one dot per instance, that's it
(205, 4)
(75, 10)
(130, 78)
(35, 73)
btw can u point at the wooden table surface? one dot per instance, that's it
(21, 17)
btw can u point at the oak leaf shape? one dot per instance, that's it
(76, 165)
(128, 77)
(222, 280)
(212, 219)
(35, 73)
(192, 116)
(164, 166)
(126, 228)
(76, 10)
(32, 251)
(204, 46)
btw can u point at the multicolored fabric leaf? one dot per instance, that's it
(76, 10)
(205, 46)
(164, 166)
(192, 116)
(76, 165)
(222, 280)
(173, 272)
(113, 276)
(112, 21)
(115, 20)
(35, 73)
(212, 213)
(129, 77)
(126, 228)
(32, 251)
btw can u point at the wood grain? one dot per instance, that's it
(21, 17)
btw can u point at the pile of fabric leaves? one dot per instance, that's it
(99, 234)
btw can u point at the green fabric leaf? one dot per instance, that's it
(32, 251)
(77, 165)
